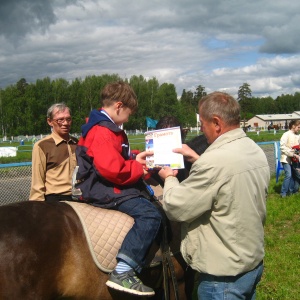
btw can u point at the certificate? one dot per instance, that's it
(162, 142)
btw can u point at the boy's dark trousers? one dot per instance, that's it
(147, 221)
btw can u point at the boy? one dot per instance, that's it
(108, 178)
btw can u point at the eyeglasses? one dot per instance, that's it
(62, 120)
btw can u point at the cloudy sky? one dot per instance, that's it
(219, 44)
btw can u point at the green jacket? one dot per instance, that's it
(222, 205)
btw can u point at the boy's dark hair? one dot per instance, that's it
(119, 92)
(168, 122)
(199, 144)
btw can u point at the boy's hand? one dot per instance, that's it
(141, 157)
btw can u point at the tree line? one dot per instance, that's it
(23, 106)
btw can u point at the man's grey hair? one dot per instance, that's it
(222, 105)
(60, 108)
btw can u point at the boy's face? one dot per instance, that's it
(122, 114)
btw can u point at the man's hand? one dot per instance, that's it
(189, 154)
(165, 172)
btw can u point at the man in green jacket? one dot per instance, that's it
(222, 204)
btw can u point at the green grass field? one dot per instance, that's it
(282, 245)
(282, 232)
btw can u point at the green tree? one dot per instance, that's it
(43, 100)
(200, 92)
(265, 105)
(76, 104)
(60, 90)
(244, 98)
(287, 103)
(166, 102)
(147, 92)
(244, 92)
(1, 114)
(189, 105)
(21, 86)
(9, 113)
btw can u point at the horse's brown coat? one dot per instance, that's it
(44, 255)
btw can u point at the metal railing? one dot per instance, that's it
(15, 181)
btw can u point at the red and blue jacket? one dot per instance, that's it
(106, 176)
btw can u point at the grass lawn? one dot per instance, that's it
(282, 245)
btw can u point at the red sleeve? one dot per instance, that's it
(105, 147)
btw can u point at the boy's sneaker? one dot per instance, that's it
(128, 282)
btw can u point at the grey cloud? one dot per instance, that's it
(21, 17)
(275, 22)
(284, 38)
(182, 42)
(296, 79)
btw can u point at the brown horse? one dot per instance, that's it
(44, 255)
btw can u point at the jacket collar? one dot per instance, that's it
(226, 138)
(96, 117)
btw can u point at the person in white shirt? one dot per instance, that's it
(289, 139)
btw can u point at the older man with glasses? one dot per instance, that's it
(54, 159)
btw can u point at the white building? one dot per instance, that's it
(281, 120)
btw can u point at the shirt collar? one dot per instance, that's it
(58, 139)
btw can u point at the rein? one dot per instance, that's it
(168, 266)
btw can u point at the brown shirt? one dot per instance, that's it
(53, 162)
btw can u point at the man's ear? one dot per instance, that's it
(49, 121)
(218, 123)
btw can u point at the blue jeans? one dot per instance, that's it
(289, 185)
(147, 220)
(242, 286)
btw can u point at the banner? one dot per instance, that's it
(151, 123)
(8, 151)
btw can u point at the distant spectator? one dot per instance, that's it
(289, 139)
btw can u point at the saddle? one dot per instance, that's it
(105, 231)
